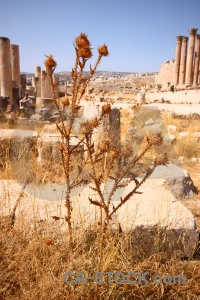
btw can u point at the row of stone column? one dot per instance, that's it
(10, 79)
(186, 69)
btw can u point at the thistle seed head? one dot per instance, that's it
(93, 122)
(154, 137)
(103, 50)
(106, 109)
(82, 40)
(161, 159)
(48, 241)
(50, 62)
(114, 153)
(103, 146)
(84, 52)
(85, 128)
(60, 147)
(65, 101)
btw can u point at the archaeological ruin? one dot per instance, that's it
(184, 70)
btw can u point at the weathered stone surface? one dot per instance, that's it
(178, 179)
(16, 133)
(131, 130)
(155, 219)
(149, 122)
(42, 114)
(170, 138)
(140, 98)
(47, 145)
(153, 127)
(196, 136)
(171, 128)
(183, 135)
(52, 128)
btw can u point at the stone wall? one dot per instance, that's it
(179, 96)
(166, 74)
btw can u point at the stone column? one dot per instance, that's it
(196, 60)
(56, 81)
(36, 81)
(15, 66)
(177, 59)
(5, 69)
(190, 57)
(38, 71)
(23, 85)
(114, 128)
(183, 60)
(43, 85)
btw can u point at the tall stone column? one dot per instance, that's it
(43, 85)
(196, 60)
(15, 66)
(183, 60)
(177, 59)
(22, 85)
(56, 81)
(36, 81)
(38, 71)
(5, 69)
(190, 57)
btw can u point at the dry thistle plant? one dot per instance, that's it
(104, 164)
(83, 54)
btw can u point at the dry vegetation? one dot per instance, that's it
(33, 266)
(35, 256)
(33, 262)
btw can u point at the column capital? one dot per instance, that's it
(184, 38)
(179, 38)
(198, 36)
(193, 31)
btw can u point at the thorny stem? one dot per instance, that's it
(65, 154)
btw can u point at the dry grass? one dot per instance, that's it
(34, 261)
(33, 265)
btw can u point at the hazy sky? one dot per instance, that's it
(140, 34)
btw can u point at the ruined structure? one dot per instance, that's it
(41, 86)
(10, 80)
(184, 71)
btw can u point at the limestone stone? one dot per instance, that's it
(149, 122)
(140, 98)
(42, 114)
(167, 137)
(47, 144)
(153, 127)
(131, 130)
(16, 133)
(178, 179)
(171, 128)
(183, 135)
(196, 136)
